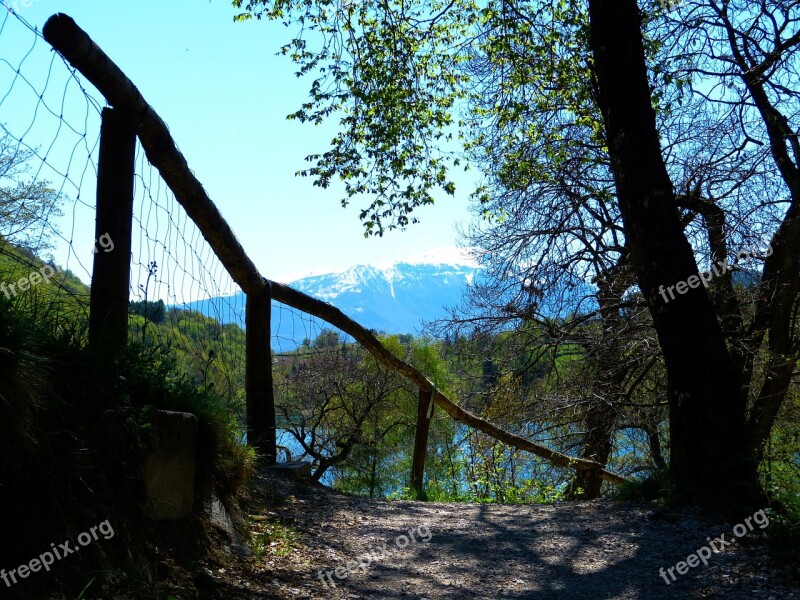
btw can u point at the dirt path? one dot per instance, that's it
(435, 551)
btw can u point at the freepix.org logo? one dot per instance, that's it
(717, 270)
(31, 280)
(423, 534)
(15, 5)
(47, 559)
(715, 546)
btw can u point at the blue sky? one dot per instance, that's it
(225, 95)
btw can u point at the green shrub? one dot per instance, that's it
(152, 382)
(74, 432)
(655, 487)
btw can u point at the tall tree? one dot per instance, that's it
(28, 206)
(706, 409)
(752, 50)
(550, 225)
(397, 72)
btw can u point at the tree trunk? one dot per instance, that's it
(710, 462)
(651, 429)
(373, 477)
(599, 424)
(424, 413)
(607, 361)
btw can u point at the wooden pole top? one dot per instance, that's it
(64, 34)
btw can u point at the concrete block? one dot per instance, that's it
(169, 470)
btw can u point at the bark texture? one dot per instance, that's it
(709, 459)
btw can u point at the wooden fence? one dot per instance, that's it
(129, 116)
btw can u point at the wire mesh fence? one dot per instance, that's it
(297, 340)
(181, 297)
(294, 330)
(183, 300)
(49, 139)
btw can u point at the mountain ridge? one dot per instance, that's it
(394, 299)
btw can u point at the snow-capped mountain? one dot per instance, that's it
(393, 299)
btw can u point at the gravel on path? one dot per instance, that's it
(425, 550)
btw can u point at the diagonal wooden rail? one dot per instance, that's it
(334, 316)
(77, 47)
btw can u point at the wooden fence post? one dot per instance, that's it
(261, 432)
(424, 416)
(111, 272)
